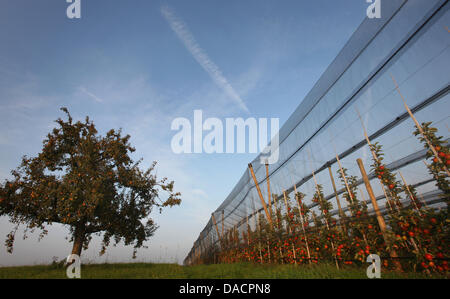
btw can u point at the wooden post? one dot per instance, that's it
(341, 213)
(299, 204)
(268, 187)
(293, 252)
(217, 229)
(248, 233)
(287, 212)
(362, 196)
(314, 217)
(269, 218)
(196, 255)
(429, 168)
(380, 218)
(387, 198)
(281, 255)
(423, 200)
(275, 204)
(419, 127)
(350, 193)
(364, 204)
(366, 136)
(375, 157)
(413, 199)
(326, 221)
(318, 194)
(258, 224)
(215, 224)
(223, 222)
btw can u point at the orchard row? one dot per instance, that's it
(406, 234)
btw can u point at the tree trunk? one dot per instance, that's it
(78, 239)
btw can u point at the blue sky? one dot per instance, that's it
(124, 66)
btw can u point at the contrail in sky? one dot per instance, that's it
(183, 33)
(93, 96)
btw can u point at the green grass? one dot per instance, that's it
(223, 271)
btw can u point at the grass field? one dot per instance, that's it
(223, 271)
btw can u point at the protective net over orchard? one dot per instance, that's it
(375, 103)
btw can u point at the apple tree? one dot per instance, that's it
(88, 183)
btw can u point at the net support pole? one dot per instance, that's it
(258, 224)
(248, 232)
(269, 218)
(299, 204)
(344, 177)
(325, 217)
(217, 229)
(375, 157)
(411, 196)
(380, 218)
(341, 213)
(268, 188)
(288, 226)
(419, 127)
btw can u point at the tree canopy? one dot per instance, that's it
(89, 183)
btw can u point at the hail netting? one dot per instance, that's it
(411, 43)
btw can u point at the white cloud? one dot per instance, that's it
(183, 33)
